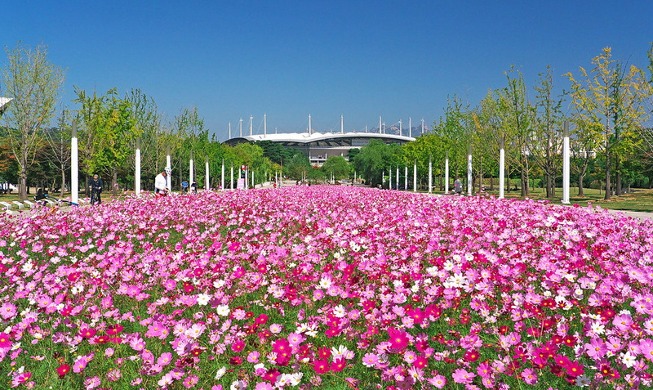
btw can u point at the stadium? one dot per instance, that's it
(319, 146)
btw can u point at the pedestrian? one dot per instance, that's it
(96, 189)
(457, 187)
(161, 183)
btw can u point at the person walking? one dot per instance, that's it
(457, 187)
(161, 183)
(96, 189)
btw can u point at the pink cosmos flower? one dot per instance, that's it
(92, 382)
(370, 359)
(62, 370)
(238, 345)
(421, 362)
(438, 381)
(646, 348)
(5, 341)
(7, 310)
(574, 369)
(398, 339)
(530, 376)
(463, 376)
(80, 364)
(190, 381)
(253, 357)
(321, 366)
(164, 359)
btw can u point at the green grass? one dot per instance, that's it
(637, 200)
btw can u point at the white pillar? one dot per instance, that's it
(310, 126)
(406, 179)
(206, 179)
(415, 176)
(400, 127)
(137, 174)
(240, 127)
(169, 177)
(469, 171)
(253, 185)
(246, 177)
(379, 124)
(342, 124)
(222, 177)
(232, 177)
(397, 179)
(422, 126)
(229, 130)
(430, 175)
(390, 179)
(354, 176)
(265, 124)
(251, 118)
(191, 171)
(565, 164)
(446, 174)
(74, 167)
(502, 169)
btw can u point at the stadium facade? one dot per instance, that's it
(320, 146)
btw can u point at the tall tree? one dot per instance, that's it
(147, 122)
(547, 141)
(108, 133)
(58, 150)
(517, 118)
(336, 166)
(609, 99)
(34, 85)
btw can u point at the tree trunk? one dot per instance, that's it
(524, 178)
(114, 182)
(63, 181)
(617, 180)
(549, 191)
(608, 189)
(22, 186)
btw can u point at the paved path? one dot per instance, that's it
(634, 214)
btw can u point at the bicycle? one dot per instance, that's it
(95, 196)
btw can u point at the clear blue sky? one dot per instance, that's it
(289, 59)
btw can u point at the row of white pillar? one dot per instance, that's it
(74, 171)
(502, 161)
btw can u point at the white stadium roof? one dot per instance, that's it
(316, 136)
(3, 103)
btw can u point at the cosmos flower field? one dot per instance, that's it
(325, 287)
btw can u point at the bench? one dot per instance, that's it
(29, 204)
(20, 205)
(6, 205)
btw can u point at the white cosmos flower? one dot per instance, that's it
(223, 310)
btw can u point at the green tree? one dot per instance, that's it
(337, 167)
(517, 121)
(58, 146)
(147, 123)
(109, 133)
(375, 159)
(298, 167)
(455, 133)
(34, 85)
(609, 101)
(547, 130)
